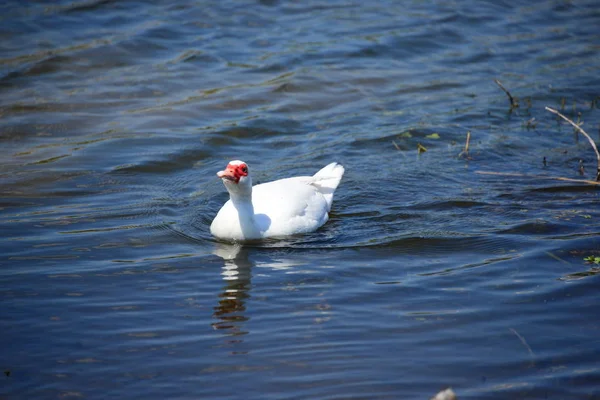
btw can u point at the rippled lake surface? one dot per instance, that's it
(437, 269)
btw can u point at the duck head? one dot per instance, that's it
(236, 178)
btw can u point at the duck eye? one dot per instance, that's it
(244, 169)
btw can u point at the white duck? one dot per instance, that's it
(279, 208)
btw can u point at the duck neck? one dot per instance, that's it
(243, 204)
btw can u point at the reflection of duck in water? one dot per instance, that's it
(236, 273)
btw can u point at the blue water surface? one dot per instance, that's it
(438, 268)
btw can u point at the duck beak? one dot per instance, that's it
(227, 174)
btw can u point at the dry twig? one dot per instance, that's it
(465, 152)
(522, 339)
(584, 133)
(513, 102)
(554, 178)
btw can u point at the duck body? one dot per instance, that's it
(279, 208)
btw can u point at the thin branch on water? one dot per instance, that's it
(468, 141)
(522, 339)
(584, 133)
(465, 152)
(513, 102)
(554, 178)
(557, 258)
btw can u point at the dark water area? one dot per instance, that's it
(115, 116)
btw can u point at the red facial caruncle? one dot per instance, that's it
(234, 171)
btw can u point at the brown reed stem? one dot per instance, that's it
(584, 133)
(554, 178)
(465, 152)
(513, 102)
